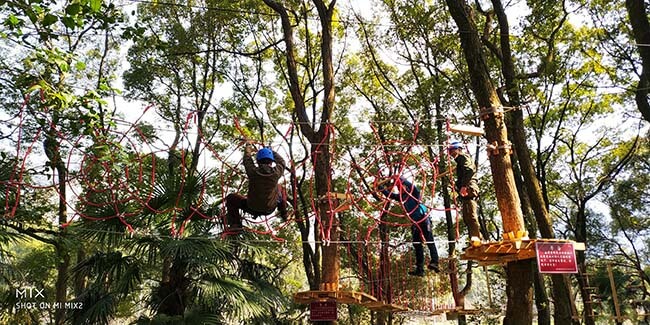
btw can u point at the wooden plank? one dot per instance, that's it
(439, 312)
(344, 297)
(468, 311)
(502, 252)
(617, 308)
(384, 307)
(466, 129)
(334, 195)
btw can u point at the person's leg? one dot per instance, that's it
(470, 217)
(419, 251)
(282, 203)
(234, 202)
(428, 235)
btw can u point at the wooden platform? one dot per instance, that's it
(338, 201)
(343, 297)
(380, 306)
(453, 313)
(347, 297)
(502, 252)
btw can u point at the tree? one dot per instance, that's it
(320, 135)
(49, 39)
(501, 48)
(420, 97)
(519, 274)
(636, 10)
(188, 67)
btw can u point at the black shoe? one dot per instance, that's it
(417, 272)
(283, 212)
(433, 267)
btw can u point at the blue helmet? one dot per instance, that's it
(265, 153)
(455, 145)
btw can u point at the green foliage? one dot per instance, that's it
(405, 66)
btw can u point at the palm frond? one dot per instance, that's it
(196, 250)
(237, 299)
(124, 270)
(99, 307)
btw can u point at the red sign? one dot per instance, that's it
(556, 257)
(323, 311)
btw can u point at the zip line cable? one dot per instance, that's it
(142, 234)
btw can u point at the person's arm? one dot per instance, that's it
(411, 196)
(465, 171)
(391, 195)
(280, 163)
(249, 164)
(410, 190)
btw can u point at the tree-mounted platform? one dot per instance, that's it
(347, 297)
(453, 313)
(343, 297)
(385, 307)
(339, 201)
(513, 248)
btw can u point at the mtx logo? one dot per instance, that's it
(30, 293)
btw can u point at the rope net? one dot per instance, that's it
(121, 172)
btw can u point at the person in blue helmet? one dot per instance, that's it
(467, 188)
(264, 194)
(408, 195)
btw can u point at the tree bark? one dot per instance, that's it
(563, 311)
(542, 302)
(641, 30)
(80, 280)
(520, 293)
(519, 274)
(583, 279)
(457, 293)
(53, 152)
(320, 153)
(319, 138)
(61, 286)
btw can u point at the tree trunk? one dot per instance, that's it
(563, 311)
(173, 295)
(519, 274)
(641, 30)
(62, 250)
(61, 287)
(541, 297)
(329, 219)
(382, 287)
(320, 139)
(519, 310)
(457, 293)
(541, 300)
(80, 280)
(583, 279)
